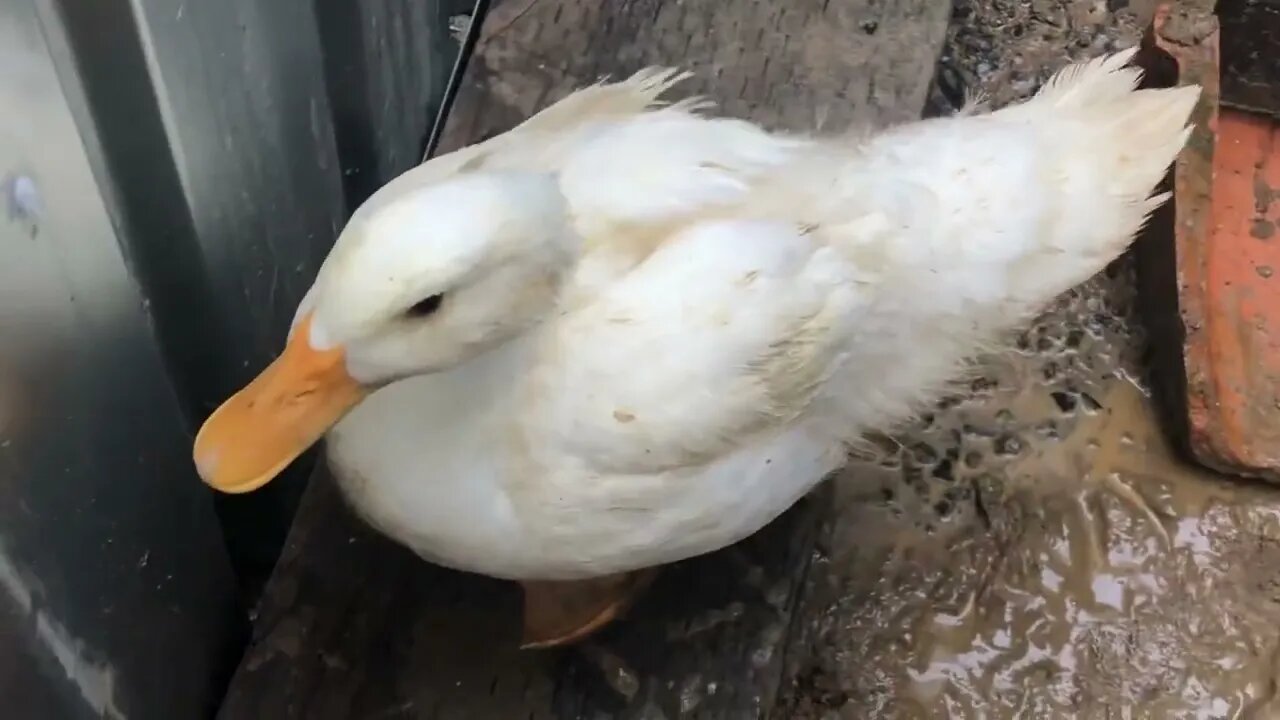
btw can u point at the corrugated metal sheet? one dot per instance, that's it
(174, 173)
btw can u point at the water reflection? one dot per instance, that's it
(1082, 572)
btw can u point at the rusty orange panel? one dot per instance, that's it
(1241, 302)
(1209, 265)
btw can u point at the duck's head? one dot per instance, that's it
(422, 279)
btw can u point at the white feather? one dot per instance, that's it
(788, 296)
(667, 165)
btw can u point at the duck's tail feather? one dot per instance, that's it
(966, 226)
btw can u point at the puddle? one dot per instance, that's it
(1034, 549)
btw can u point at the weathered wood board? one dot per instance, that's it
(352, 626)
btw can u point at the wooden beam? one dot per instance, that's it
(800, 65)
(353, 626)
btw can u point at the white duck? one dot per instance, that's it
(623, 334)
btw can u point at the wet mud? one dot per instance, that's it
(1035, 549)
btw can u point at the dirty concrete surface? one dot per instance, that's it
(1033, 548)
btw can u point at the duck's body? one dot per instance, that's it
(718, 311)
(695, 383)
(484, 510)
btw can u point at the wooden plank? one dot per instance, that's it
(799, 65)
(353, 626)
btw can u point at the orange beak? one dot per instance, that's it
(285, 410)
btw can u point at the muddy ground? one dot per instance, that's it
(1034, 549)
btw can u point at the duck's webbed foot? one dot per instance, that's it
(564, 612)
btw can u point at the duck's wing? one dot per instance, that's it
(542, 141)
(725, 332)
(668, 166)
(965, 227)
(548, 138)
(608, 101)
(923, 244)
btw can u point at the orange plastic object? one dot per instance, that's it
(1209, 269)
(1241, 304)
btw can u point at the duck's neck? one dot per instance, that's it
(421, 459)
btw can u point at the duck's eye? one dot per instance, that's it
(424, 307)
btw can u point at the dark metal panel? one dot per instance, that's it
(218, 137)
(241, 94)
(1251, 54)
(386, 62)
(116, 596)
(218, 148)
(213, 116)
